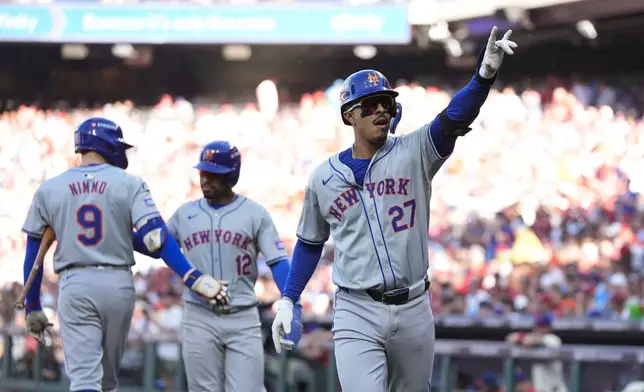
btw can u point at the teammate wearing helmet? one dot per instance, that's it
(373, 199)
(92, 209)
(223, 233)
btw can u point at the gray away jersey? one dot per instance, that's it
(226, 242)
(379, 230)
(92, 210)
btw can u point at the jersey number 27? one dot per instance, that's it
(90, 218)
(398, 214)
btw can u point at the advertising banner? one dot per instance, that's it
(256, 24)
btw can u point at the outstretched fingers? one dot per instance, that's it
(492, 39)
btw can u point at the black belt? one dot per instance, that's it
(232, 310)
(100, 266)
(392, 297)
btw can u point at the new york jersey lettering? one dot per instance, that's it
(226, 243)
(217, 236)
(382, 188)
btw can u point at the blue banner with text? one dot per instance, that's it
(159, 24)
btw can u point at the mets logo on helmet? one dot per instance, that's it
(373, 79)
(208, 155)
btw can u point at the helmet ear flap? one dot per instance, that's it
(345, 120)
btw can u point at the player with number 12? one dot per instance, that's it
(223, 233)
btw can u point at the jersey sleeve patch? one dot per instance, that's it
(279, 245)
(149, 202)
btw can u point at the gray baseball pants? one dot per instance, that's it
(222, 353)
(95, 309)
(380, 347)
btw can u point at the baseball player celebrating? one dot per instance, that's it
(373, 198)
(223, 233)
(92, 209)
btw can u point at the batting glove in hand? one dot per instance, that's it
(494, 52)
(287, 326)
(291, 340)
(216, 291)
(37, 325)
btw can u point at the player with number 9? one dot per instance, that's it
(93, 209)
(223, 233)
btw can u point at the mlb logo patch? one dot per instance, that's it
(149, 202)
(279, 245)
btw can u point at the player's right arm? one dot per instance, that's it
(437, 139)
(156, 239)
(312, 232)
(34, 226)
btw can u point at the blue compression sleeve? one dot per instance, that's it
(444, 144)
(464, 107)
(466, 103)
(305, 259)
(172, 256)
(139, 246)
(33, 295)
(280, 271)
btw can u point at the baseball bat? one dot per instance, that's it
(47, 240)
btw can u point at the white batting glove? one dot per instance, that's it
(216, 291)
(494, 52)
(282, 322)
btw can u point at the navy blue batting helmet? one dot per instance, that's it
(221, 157)
(362, 84)
(104, 137)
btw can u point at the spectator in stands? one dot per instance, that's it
(488, 382)
(546, 376)
(522, 382)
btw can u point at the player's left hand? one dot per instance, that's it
(292, 339)
(215, 291)
(282, 324)
(494, 52)
(37, 325)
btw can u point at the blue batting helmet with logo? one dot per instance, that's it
(221, 157)
(104, 137)
(362, 84)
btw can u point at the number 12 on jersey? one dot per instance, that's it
(243, 262)
(398, 214)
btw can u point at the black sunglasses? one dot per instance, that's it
(369, 105)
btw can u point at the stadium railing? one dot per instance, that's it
(448, 353)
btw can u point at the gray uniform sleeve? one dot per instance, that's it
(421, 139)
(37, 217)
(313, 228)
(173, 225)
(268, 240)
(143, 206)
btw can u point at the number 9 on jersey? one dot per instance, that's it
(90, 218)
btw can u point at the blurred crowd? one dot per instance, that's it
(537, 210)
